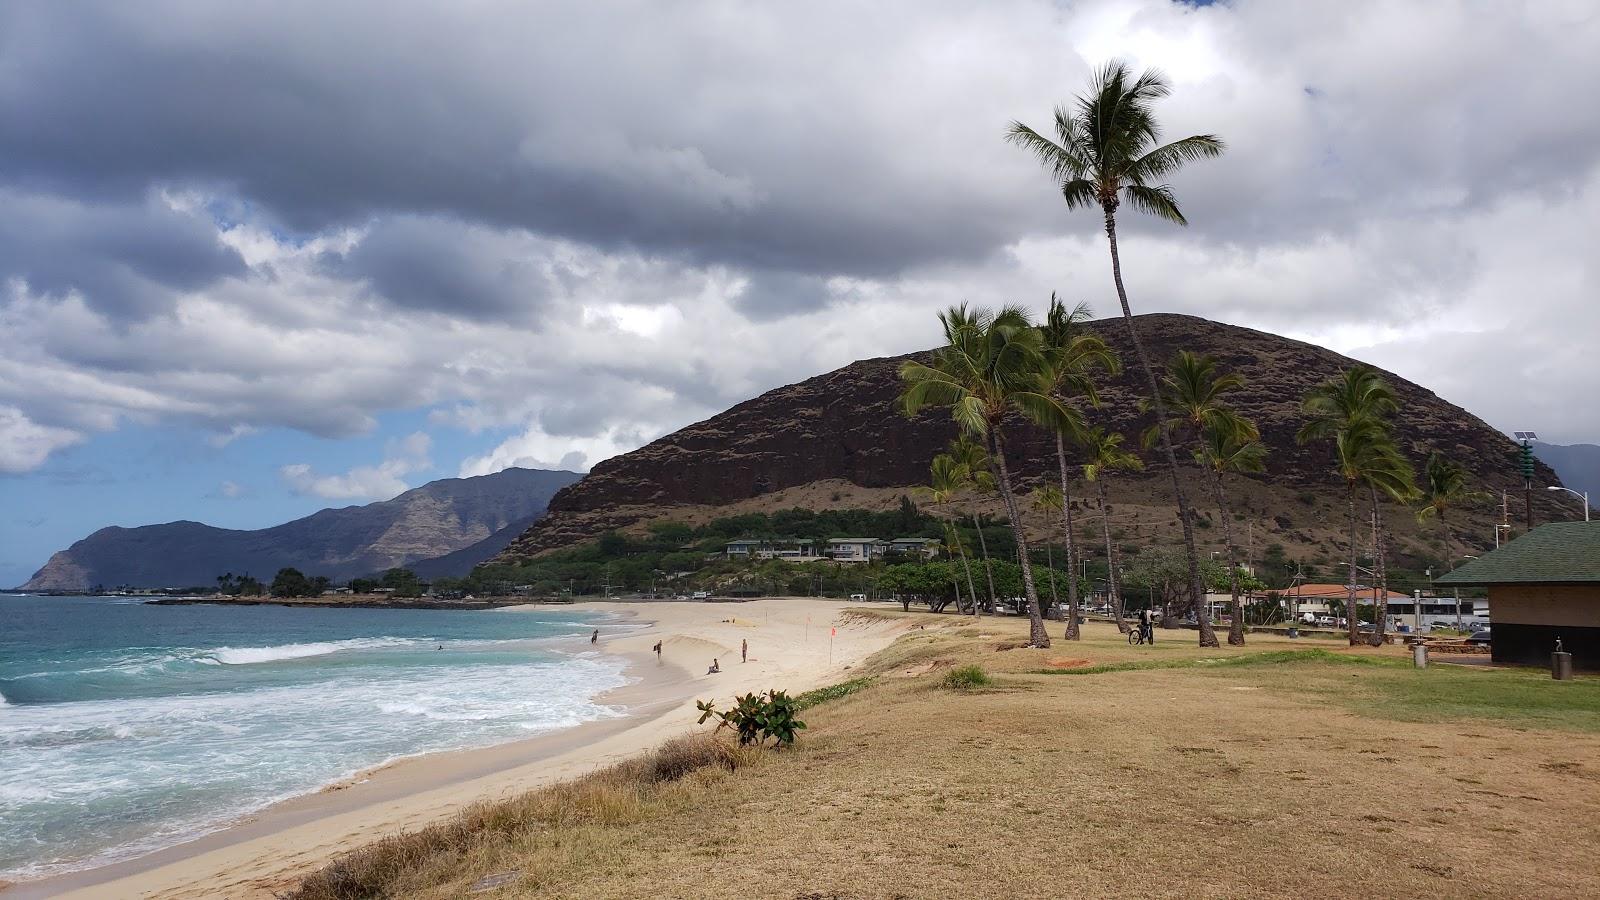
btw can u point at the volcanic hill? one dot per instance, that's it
(838, 441)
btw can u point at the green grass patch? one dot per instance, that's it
(1266, 658)
(832, 692)
(966, 678)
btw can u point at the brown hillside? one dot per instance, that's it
(837, 440)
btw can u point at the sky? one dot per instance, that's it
(259, 259)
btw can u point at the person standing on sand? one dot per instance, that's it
(595, 638)
(744, 651)
(657, 648)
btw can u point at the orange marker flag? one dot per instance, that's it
(832, 632)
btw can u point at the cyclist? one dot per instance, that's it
(1147, 626)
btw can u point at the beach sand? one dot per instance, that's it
(790, 649)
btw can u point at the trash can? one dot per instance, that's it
(1561, 666)
(1419, 655)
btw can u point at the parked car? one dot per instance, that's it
(858, 596)
(1479, 637)
(700, 595)
(1326, 621)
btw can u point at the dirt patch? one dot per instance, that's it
(1068, 662)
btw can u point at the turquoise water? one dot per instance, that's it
(126, 727)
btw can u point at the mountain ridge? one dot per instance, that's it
(438, 519)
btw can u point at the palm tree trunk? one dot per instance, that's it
(1066, 521)
(1380, 602)
(1111, 561)
(1236, 627)
(1037, 636)
(1208, 638)
(983, 545)
(1050, 563)
(1350, 605)
(972, 591)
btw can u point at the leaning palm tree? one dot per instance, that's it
(1230, 445)
(1353, 409)
(1048, 500)
(946, 480)
(1073, 357)
(1106, 456)
(1193, 394)
(1445, 486)
(973, 469)
(1105, 152)
(988, 369)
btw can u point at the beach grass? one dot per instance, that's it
(1272, 770)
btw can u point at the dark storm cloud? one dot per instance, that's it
(446, 266)
(776, 295)
(126, 260)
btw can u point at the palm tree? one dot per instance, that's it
(1231, 445)
(1105, 151)
(990, 368)
(1072, 358)
(1106, 456)
(1445, 487)
(1048, 500)
(1353, 410)
(974, 471)
(945, 482)
(1192, 394)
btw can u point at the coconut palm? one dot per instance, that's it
(1353, 409)
(1445, 486)
(946, 481)
(1074, 355)
(1230, 445)
(989, 368)
(1106, 455)
(1105, 152)
(1193, 392)
(1047, 499)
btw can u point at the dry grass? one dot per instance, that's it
(1280, 773)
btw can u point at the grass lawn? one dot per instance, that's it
(1273, 770)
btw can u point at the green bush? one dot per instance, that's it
(966, 678)
(757, 717)
(831, 692)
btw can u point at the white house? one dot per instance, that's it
(855, 549)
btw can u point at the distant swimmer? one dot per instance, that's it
(595, 638)
(440, 647)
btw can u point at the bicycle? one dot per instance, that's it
(1136, 637)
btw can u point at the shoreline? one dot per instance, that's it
(267, 850)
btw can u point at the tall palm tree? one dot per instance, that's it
(946, 481)
(1106, 456)
(1231, 445)
(1048, 500)
(974, 470)
(990, 368)
(1445, 486)
(1105, 151)
(1193, 394)
(1072, 358)
(1352, 409)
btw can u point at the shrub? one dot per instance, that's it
(831, 692)
(966, 678)
(757, 717)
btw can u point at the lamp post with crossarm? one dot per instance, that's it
(1584, 495)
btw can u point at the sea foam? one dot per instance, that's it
(244, 656)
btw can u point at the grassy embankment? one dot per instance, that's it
(1092, 769)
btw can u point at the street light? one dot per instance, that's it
(1582, 494)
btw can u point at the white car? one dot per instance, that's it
(700, 595)
(858, 596)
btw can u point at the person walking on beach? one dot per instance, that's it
(657, 648)
(744, 651)
(595, 638)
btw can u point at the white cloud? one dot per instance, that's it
(380, 482)
(25, 444)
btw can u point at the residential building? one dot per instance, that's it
(1314, 598)
(928, 548)
(1544, 587)
(849, 549)
(797, 549)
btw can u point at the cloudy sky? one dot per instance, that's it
(256, 259)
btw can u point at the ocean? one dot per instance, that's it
(127, 727)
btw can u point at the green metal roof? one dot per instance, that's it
(1559, 553)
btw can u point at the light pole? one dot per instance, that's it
(1583, 495)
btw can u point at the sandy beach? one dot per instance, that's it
(790, 647)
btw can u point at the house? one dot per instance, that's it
(928, 548)
(849, 549)
(1543, 587)
(797, 549)
(1314, 598)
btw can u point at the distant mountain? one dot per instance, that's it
(1577, 464)
(442, 528)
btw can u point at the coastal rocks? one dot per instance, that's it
(844, 425)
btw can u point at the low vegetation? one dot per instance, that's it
(966, 678)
